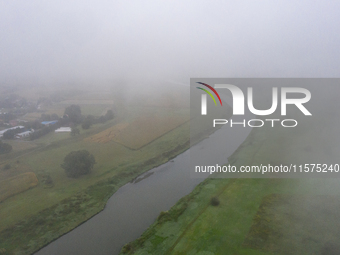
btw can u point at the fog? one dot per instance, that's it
(102, 42)
(131, 46)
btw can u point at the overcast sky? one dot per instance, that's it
(57, 41)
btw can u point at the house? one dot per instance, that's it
(3, 131)
(48, 123)
(63, 129)
(23, 134)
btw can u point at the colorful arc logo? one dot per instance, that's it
(208, 92)
(204, 97)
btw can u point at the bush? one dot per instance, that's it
(75, 131)
(164, 216)
(109, 115)
(214, 201)
(5, 147)
(47, 181)
(87, 124)
(78, 163)
(126, 248)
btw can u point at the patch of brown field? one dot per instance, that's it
(141, 131)
(146, 129)
(31, 116)
(17, 184)
(59, 111)
(108, 134)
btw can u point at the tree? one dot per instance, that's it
(101, 119)
(74, 113)
(75, 131)
(78, 163)
(109, 115)
(87, 123)
(33, 124)
(54, 116)
(9, 134)
(5, 147)
(45, 117)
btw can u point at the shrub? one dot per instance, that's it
(164, 216)
(5, 147)
(126, 248)
(75, 131)
(87, 124)
(109, 115)
(214, 201)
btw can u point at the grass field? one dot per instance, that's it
(31, 116)
(21, 145)
(52, 210)
(17, 184)
(296, 224)
(256, 216)
(143, 129)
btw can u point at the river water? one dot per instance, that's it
(135, 206)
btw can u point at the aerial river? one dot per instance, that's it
(136, 205)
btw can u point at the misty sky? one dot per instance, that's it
(58, 41)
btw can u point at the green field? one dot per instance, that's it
(256, 216)
(34, 217)
(114, 168)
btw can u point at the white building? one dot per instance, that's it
(3, 131)
(23, 134)
(63, 129)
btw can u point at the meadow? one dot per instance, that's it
(144, 129)
(58, 205)
(256, 216)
